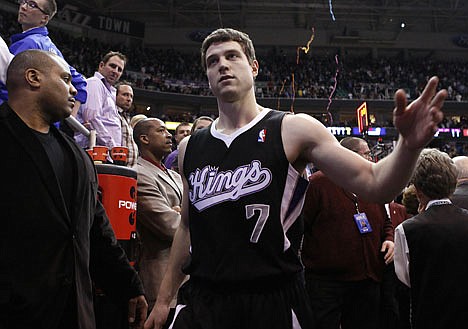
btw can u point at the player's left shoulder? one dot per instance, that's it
(301, 125)
(300, 119)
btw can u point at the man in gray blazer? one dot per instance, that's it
(159, 201)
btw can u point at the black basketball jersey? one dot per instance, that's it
(245, 201)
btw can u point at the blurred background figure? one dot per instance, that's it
(200, 123)
(137, 118)
(410, 201)
(181, 131)
(124, 101)
(460, 196)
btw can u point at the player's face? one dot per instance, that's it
(159, 139)
(57, 91)
(229, 72)
(112, 70)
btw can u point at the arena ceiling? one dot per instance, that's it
(350, 15)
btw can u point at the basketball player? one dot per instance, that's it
(243, 193)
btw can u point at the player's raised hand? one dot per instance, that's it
(418, 121)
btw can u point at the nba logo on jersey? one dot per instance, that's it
(261, 136)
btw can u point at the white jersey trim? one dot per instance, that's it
(295, 322)
(228, 139)
(291, 207)
(179, 307)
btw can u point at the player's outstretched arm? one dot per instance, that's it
(306, 140)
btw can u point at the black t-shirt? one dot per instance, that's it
(61, 160)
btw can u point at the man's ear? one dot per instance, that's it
(144, 139)
(255, 68)
(45, 19)
(33, 77)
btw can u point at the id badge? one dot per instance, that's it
(362, 223)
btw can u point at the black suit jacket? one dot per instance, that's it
(49, 252)
(438, 261)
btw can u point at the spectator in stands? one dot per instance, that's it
(100, 112)
(124, 101)
(181, 131)
(347, 243)
(56, 238)
(33, 17)
(170, 70)
(159, 200)
(460, 196)
(431, 249)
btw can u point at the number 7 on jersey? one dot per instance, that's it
(264, 212)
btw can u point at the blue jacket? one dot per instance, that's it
(38, 38)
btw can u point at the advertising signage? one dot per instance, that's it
(77, 16)
(452, 133)
(355, 131)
